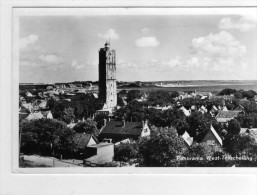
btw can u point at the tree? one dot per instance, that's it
(161, 98)
(227, 91)
(199, 155)
(126, 152)
(174, 94)
(233, 127)
(120, 101)
(133, 94)
(88, 126)
(134, 111)
(161, 149)
(99, 119)
(68, 115)
(238, 95)
(248, 94)
(198, 126)
(182, 126)
(85, 106)
(239, 143)
(46, 136)
(62, 110)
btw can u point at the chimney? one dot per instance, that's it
(143, 124)
(104, 122)
(123, 122)
(223, 102)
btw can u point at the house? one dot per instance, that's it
(72, 86)
(188, 140)
(125, 141)
(100, 153)
(47, 114)
(167, 107)
(239, 108)
(213, 110)
(49, 87)
(203, 109)
(84, 140)
(225, 116)
(71, 125)
(42, 104)
(224, 108)
(143, 98)
(193, 107)
(156, 107)
(185, 111)
(105, 111)
(61, 85)
(120, 130)
(95, 95)
(27, 106)
(250, 131)
(28, 94)
(212, 138)
(35, 115)
(23, 116)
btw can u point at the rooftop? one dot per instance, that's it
(227, 114)
(116, 127)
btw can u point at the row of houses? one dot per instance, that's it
(114, 133)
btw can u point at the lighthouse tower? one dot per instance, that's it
(107, 76)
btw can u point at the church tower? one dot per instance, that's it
(107, 76)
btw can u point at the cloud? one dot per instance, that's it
(145, 30)
(222, 44)
(29, 40)
(147, 42)
(111, 33)
(219, 52)
(243, 24)
(27, 63)
(51, 58)
(76, 65)
(193, 61)
(174, 62)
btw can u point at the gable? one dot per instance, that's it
(83, 140)
(212, 135)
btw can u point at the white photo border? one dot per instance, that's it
(70, 180)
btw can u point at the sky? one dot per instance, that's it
(149, 47)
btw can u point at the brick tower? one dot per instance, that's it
(107, 76)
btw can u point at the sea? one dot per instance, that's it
(213, 86)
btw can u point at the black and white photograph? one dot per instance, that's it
(135, 88)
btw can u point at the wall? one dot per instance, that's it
(210, 136)
(104, 154)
